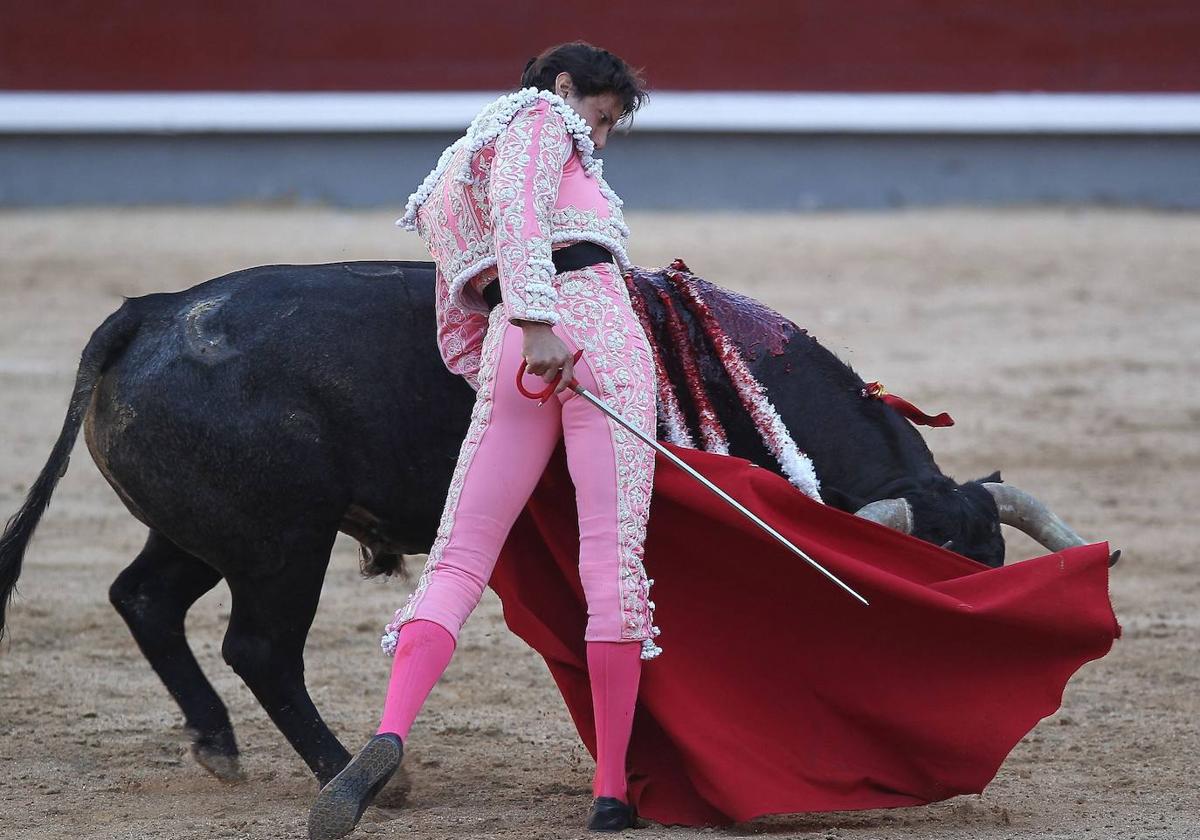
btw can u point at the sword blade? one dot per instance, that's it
(738, 506)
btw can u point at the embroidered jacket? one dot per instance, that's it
(519, 183)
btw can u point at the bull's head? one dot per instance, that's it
(966, 518)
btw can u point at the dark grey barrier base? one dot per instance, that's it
(649, 171)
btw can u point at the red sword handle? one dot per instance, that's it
(548, 391)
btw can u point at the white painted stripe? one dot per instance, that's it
(674, 111)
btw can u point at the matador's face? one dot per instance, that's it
(601, 111)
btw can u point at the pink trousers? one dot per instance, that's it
(506, 449)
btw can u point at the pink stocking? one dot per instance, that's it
(423, 650)
(614, 669)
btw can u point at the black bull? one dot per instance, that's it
(247, 420)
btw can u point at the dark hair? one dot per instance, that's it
(593, 71)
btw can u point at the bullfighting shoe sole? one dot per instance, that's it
(340, 804)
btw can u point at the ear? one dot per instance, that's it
(994, 478)
(563, 83)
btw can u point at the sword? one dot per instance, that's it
(677, 461)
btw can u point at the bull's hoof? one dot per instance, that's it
(340, 804)
(1113, 558)
(225, 767)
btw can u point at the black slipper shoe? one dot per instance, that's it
(340, 804)
(611, 814)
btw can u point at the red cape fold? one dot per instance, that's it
(776, 692)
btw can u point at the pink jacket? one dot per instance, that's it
(519, 183)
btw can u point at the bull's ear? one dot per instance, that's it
(994, 478)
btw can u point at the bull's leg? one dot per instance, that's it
(264, 644)
(153, 595)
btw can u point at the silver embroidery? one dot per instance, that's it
(450, 209)
(523, 258)
(619, 356)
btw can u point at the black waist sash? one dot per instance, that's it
(579, 255)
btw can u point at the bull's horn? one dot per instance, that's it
(893, 513)
(1027, 514)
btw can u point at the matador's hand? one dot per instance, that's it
(546, 354)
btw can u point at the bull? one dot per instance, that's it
(247, 420)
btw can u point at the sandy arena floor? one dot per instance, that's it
(1064, 342)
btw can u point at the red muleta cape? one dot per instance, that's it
(778, 693)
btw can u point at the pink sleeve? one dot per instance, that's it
(459, 334)
(523, 189)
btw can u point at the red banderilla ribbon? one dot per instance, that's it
(876, 391)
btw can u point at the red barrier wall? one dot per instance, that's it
(821, 45)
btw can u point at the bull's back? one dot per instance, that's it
(321, 382)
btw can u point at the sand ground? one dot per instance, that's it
(1063, 341)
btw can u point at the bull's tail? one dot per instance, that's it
(106, 342)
